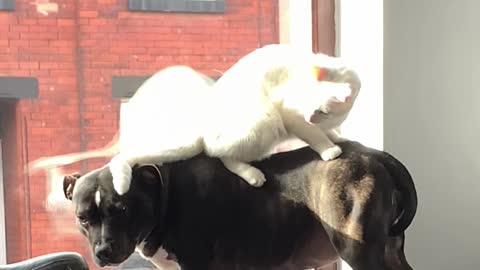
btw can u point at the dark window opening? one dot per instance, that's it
(195, 6)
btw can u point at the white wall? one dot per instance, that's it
(432, 111)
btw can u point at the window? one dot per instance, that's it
(7, 4)
(125, 86)
(199, 6)
(18, 87)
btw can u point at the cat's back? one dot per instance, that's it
(175, 82)
(244, 121)
(166, 109)
(240, 93)
(248, 73)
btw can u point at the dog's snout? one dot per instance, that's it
(104, 251)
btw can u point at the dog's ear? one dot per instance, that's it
(69, 184)
(148, 173)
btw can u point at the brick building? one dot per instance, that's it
(58, 60)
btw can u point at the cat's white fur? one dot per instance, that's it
(267, 97)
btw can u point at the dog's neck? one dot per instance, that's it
(153, 240)
(160, 259)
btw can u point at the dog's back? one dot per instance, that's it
(214, 214)
(306, 208)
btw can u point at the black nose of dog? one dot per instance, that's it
(104, 252)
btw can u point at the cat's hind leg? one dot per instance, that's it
(250, 174)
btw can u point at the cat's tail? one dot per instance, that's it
(45, 163)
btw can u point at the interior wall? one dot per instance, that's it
(431, 112)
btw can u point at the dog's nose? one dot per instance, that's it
(103, 252)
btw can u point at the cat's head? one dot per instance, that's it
(335, 93)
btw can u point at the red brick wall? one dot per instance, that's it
(74, 54)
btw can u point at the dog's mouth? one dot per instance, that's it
(111, 261)
(107, 262)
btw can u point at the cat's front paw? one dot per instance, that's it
(253, 176)
(121, 174)
(331, 153)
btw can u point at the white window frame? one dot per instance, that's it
(295, 23)
(360, 41)
(359, 32)
(3, 232)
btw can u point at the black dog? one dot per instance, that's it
(307, 214)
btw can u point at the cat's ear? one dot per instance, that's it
(319, 73)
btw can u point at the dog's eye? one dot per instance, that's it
(83, 221)
(120, 208)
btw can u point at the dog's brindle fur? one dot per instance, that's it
(308, 213)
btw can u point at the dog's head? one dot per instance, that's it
(115, 224)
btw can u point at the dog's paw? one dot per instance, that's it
(121, 174)
(253, 176)
(331, 153)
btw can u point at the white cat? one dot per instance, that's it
(268, 96)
